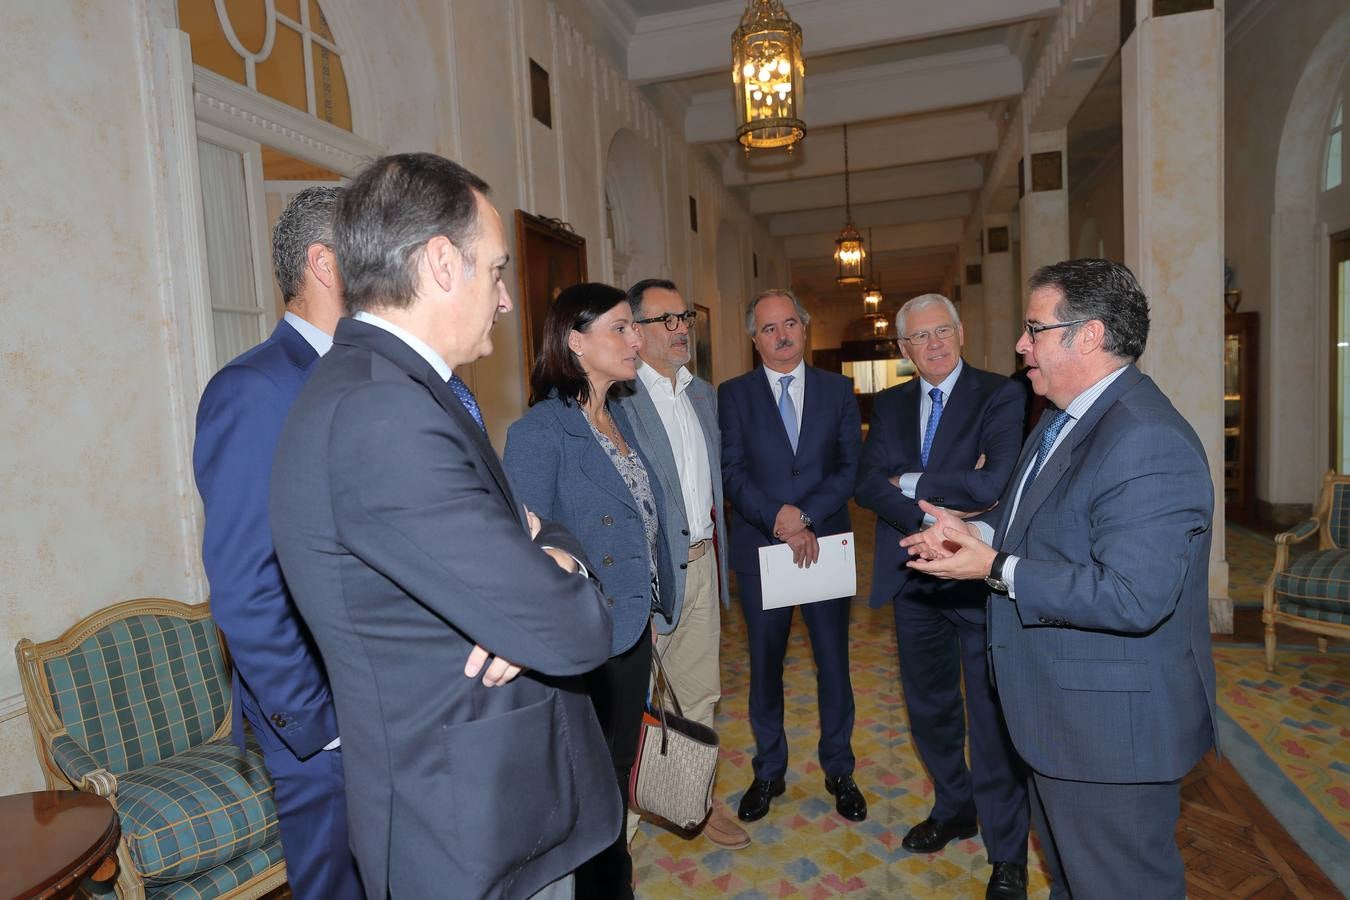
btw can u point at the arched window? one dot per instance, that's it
(1331, 177)
(283, 49)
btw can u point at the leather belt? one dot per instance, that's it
(696, 551)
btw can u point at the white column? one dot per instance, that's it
(1002, 298)
(1044, 207)
(1172, 93)
(970, 275)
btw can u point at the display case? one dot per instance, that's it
(1240, 342)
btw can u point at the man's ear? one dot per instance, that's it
(1092, 334)
(322, 264)
(442, 259)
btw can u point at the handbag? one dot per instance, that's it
(672, 777)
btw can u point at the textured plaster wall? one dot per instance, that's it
(91, 475)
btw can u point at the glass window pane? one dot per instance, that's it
(1333, 173)
(317, 22)
(229, 247)
(330, 89)
(282, 75)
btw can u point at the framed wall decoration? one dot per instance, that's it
(702, 338)
(552, 257)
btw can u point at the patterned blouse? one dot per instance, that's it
(634, 474)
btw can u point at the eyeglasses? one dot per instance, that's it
(671, 320)
(1034, 329)
(919, 338)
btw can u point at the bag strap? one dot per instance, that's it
(659, 671)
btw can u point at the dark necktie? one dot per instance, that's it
(931, 430)
(787, 410)
(1043, 451)
(466, 397)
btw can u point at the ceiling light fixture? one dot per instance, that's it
(872, 295)
(849, 251)
(766, 77)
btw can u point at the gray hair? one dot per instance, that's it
(923, 301)
(306, 220)
(802, 315)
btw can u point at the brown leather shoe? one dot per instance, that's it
(723, 830)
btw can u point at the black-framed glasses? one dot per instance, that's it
(1033, 329)
(671, 320)
(919, 338)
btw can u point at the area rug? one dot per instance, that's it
(1287, 733)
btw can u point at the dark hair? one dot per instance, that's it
(636, 291)
(1103, 290)
(389, 212)
(306, 220)
(556, 368)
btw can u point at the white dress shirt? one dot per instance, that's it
(316, 337)
(687, 444)
(796, 390)
(909, 482)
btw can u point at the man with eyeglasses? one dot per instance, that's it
(949, 436)
(674, 415)
(1096, 559)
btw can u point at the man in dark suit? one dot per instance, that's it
(280, 685)
(674, 415)
(790, 442)
(951, 437)
(407, 553)
(1097, 558)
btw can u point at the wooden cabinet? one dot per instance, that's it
(1240, 342)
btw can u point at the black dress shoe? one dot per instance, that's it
(755, 803)
(1009, 882)
(848, 800)
(930, 835)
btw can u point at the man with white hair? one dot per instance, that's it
(950, 436)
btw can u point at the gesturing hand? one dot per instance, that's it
(933, 542)
(949, 548)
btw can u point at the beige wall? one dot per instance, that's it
(99, 499)
(1096, 213)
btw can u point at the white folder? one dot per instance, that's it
(834, 574)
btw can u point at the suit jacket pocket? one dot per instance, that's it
(513, 787)
(1102, 674)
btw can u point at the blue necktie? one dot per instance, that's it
(1047, 441)
(466, 397)
(788, 410)
(931, 430)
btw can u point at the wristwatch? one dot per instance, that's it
(806, 520)
(995, 577)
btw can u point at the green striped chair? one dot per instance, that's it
(132, 703)
(1313, 593)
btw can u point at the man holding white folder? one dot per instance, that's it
(791, 436)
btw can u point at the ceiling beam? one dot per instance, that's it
(697, 41)
(872, 145)
(887, 90)
(880, 185)
(865, 215)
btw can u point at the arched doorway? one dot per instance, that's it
(634, 214)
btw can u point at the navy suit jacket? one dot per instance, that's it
(561, 473)
(279, 676)
(651, 434)
(983, 416)
(1103, 660)
(761, 473)
(405, 546)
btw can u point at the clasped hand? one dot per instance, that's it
(949, 548)
(789, 528)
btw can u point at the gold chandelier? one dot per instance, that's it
(849, 251)
(766, 77)
(872, 295)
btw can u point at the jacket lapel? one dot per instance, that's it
(960, 407)
(907, 424)
(298, 350)
(652, 438)
(812, 397)
(595, 462)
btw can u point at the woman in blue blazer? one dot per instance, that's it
(573, 463)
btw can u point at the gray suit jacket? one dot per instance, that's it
(1103, 663)
(403, 546)
(651, 436)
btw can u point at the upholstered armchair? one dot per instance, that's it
(1313, 593)
(132, 703)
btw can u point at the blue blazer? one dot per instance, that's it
(982, 416)
(1103, 660)
(279, 676)
(760, 471)
(651, 431)
(561, 473)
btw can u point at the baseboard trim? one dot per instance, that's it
(1282, 516)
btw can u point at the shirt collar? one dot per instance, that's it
(652, 378)
(316, 337)
(797, 374)
(947, 384)
(417, 344)
(1084, 401)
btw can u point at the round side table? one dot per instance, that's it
(52, 840)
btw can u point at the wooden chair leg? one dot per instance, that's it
(1270, 646)
(1321, 645)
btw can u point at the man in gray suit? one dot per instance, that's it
(674, 414)
(1097, 558)
(407, 554)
